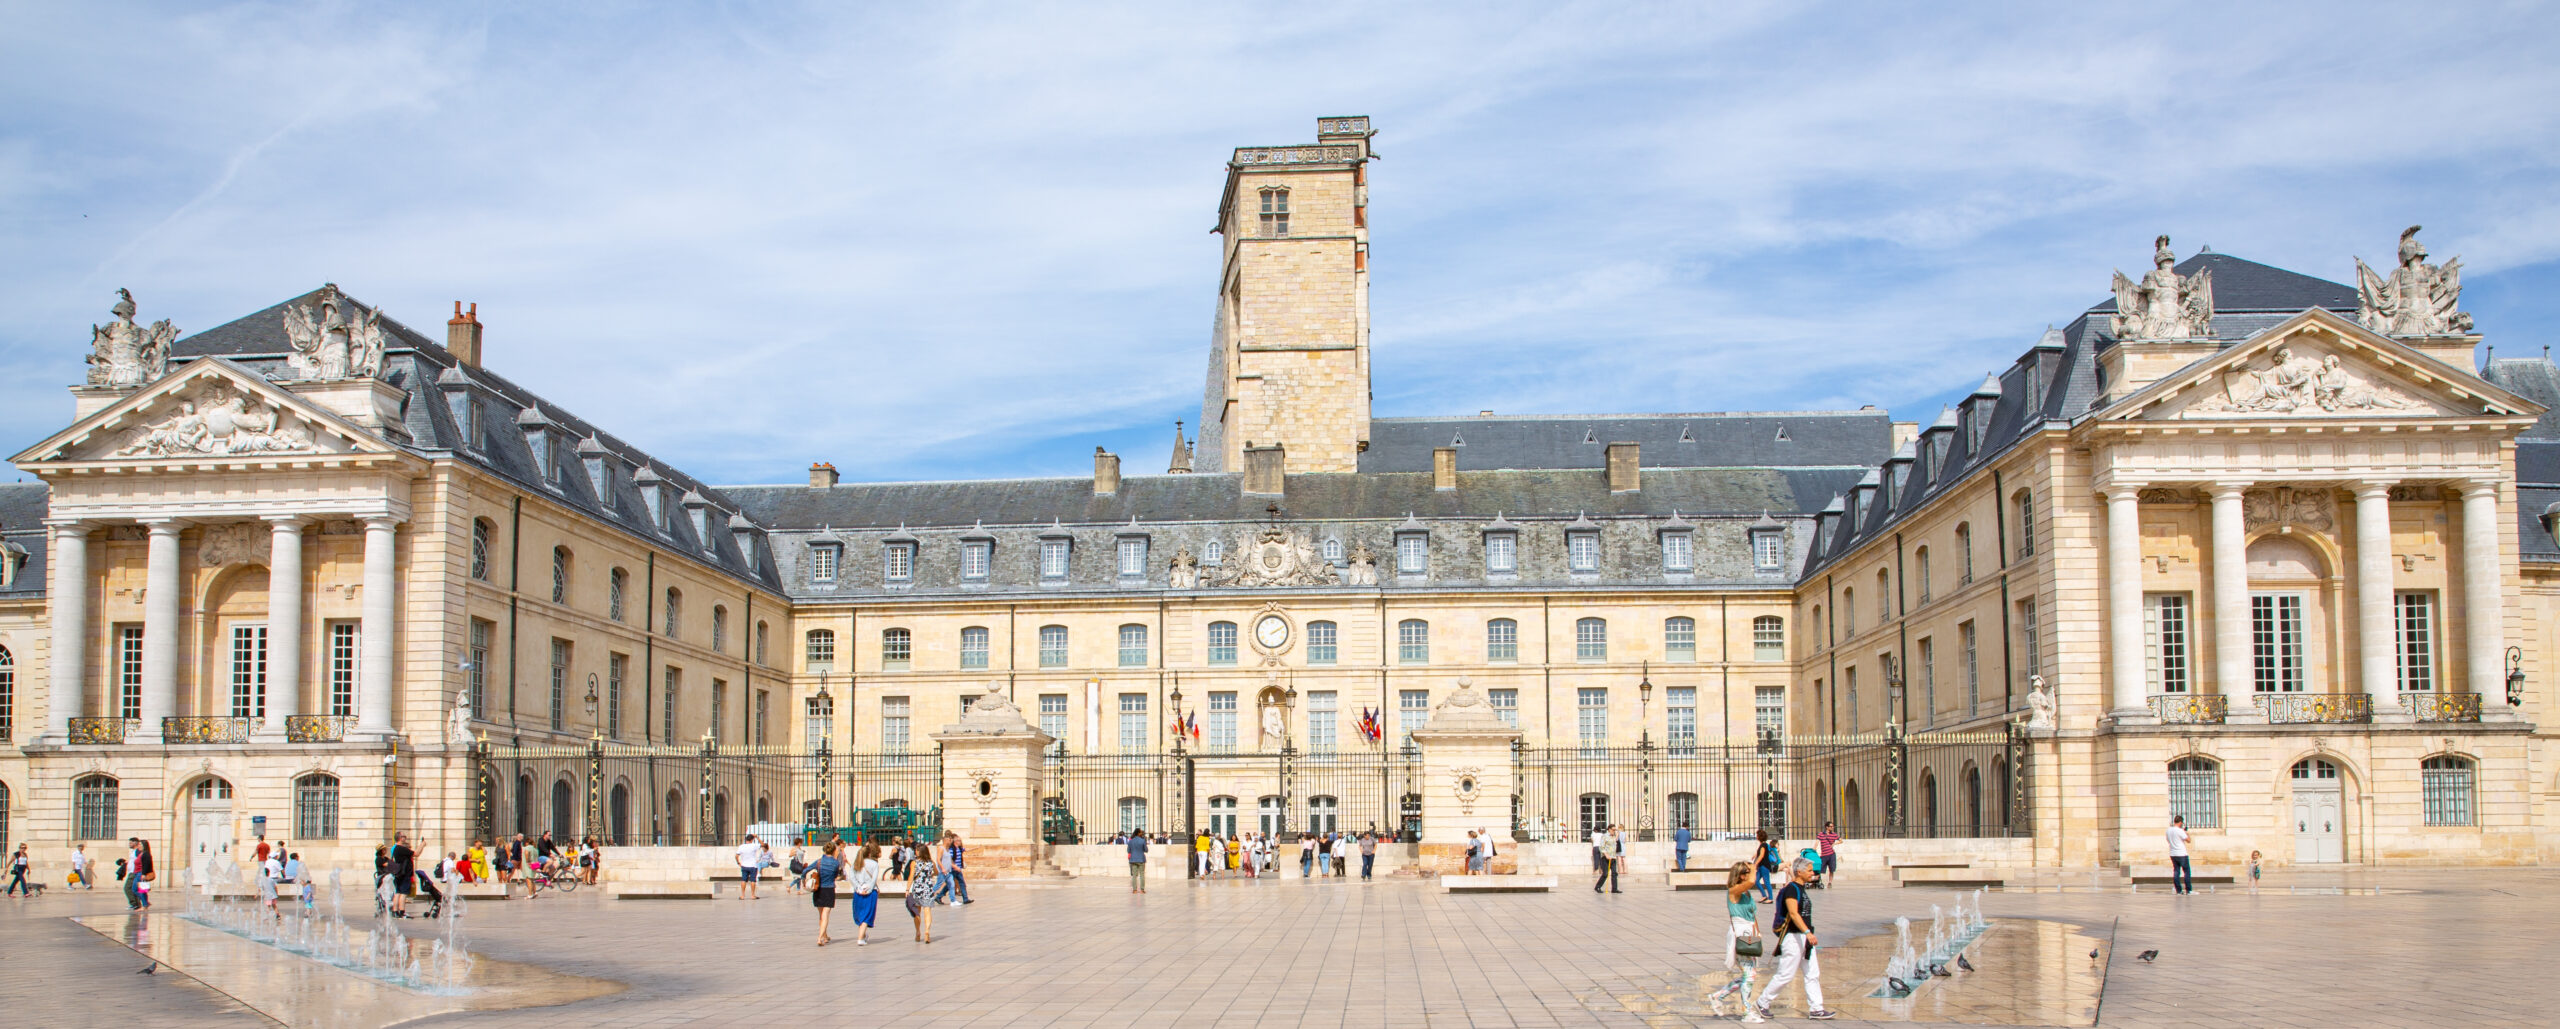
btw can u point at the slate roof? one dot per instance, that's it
(1798, 439)
(2536, 380)
(22, 513)
(2243, 285)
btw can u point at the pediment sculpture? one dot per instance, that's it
(2165, 304)
(2312, 509)
(334, 338)
(124, 354)
(1274, 557)
(217, 420)
(2294, 382)
(2416, 299)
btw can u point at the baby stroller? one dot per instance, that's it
(1821, 873)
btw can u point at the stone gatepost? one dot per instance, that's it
(1467, 782)
(992, 767)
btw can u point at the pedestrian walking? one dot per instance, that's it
(922, 889)
(270, 877)
(750, 862)
(1742, 919)
(129, 871)
(81, 871)
(1680, 838)
(1599, 857)
(864, 879)
(18, 867)
(1217, 863)
(1368, 853)
(1828, 841)
(145, 872)
(1796, 943)
(822, 885)
(955, 870)
(1764, 864)
(2182, 875)
(1341, 855)
(1306, 855)
(1137, 863)
(1606, 851)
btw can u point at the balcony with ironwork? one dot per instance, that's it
(102, 730)
(2316, 708)
(2190, 708)
(317, 728)
(204, 729)
(2442, 707)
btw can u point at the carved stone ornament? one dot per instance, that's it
(2039, 703)
(234, 544)
(123, 354)
(2166, 495)
(2165, 304)
(2312, 509)
(217, 420)
(2416, 299)
(2292, 382)
(1274, 557)
(991, 713)
(982, 788)
(334, 338)
(1363, 569)
(1464, 709)
(1185, 572)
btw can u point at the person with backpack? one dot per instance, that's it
(18, 866)
(1796, 942)
(1764, 864)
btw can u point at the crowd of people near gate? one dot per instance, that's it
(934, 871)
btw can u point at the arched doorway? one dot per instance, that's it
(1973, 800)
(1267, 814)
(564, 810)
(618, 815)
(1929, 804)
(208, 823)
(675, 818)
(720, 817)
(1850, 812)
(525, 823)
(2319, 812)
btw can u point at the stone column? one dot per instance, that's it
(161, 593)
(373, 669)
(2124, 606)
(2483, 598)
(2374, 636)
(68, 588)
(284, 625)
(1466, 783)
(992, 770)
(2230, 608)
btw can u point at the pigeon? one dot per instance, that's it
(1938, 970)
(148, 969)
(2147, 956)
(1899, 987)
(1963, 964)
(2093, 955)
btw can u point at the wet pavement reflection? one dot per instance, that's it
(2026, 972)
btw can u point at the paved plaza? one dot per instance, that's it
(2421, 949)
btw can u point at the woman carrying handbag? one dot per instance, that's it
(1741, 941)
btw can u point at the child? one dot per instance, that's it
(2253, 871)
(1744, 915)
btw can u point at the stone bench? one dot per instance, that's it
(1498, 883)
(660, 891)
(1953, 878)
(2162, 875)
(1696, 879)
(480, 891)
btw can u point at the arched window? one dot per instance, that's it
(1133, 814)
(1884, 596)
(1501, 640)
(1591, 639)
(616, 584)
(1594, 810)
(1133, 645)
(1768, 638)
(1851, 812)
(1222, 643)
(1684, 810)
(2314, 768)
(618, 815)
(1222, 816)
(675, 611)
(719, 629)
(1214, 553)
(93, 806)
(481, 530)
(720, 817)
(526, 822)
(315, 807)
(1973, 800)
(897, 649)
(1266, 815)
(2444, 788)
(764, 808)
(1920, 572)
(973, 646)
(1680, 639)
(564, 810)
(2195, 792)
(559, 575)
(1848, 613)
(1324, 815)
(822, 650)
(2026, 504)
(1413, 642)
(1053, 646)
(1964, 553)
(1821, 802)
(1929, 805)
(1818, 638)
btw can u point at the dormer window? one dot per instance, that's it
(1768, 550)
(1333, 549)
(823, 561)
(1413, 553)
(1675, 552)
(1053, 559)
(1502, 553)
(898, 562)
(1582, 552)
(1275, 213)
(1214, 553)
(1133, 557)
(975, 556)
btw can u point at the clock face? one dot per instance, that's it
(1272, 632)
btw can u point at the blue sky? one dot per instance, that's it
(970, 240)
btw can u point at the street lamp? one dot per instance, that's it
(1644, 708)
(2515, 676)
(1178, 734)
(591, 696)
(826, 753)
(1893, 691)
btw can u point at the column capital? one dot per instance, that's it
(2231, 490)
(163, 525)
(2372, 489)
(73, 527)
(2476, 487)
(2122, 491)
(386, 523)
(286, 521)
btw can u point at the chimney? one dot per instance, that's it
(1106, 472)
(1444, 468)
(822, 475)
(462, 334)
(1264, 468)
(1623, 476)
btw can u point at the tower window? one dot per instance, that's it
(1275, 213)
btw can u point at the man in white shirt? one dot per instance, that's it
(1341, 856)
(80, 866)
(2182, 875)
(750, 862)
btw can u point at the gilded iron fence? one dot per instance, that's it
(102, 730)
(204, 729)
(2442, 707)
(2298, 708)
(1937, 784)
(702, 795)
(2190, 708)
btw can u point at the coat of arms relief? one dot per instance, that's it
(217, 419)
(2291, 380)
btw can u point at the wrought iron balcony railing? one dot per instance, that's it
(203, 729)
(101, 730)
(317, 728)
(2442, 707)
(2298, 708)
(2190, 708)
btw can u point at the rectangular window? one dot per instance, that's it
(559, 685)
(129, 671)
(1320, 721)
(1590, 640)
(1768, 551)
(973, 647)
(96, 801)
(1321, 643)
(1681, 702)
(1413, 642)
(1501, 640)
(818, 723)
(249, 671)
(1591, 718)
(764, 706)
(822, 562)
(1133, 646)
(719, 709)
(2195, 792)
(1972, 668)
(2275, 643)
(1582, 551)
(898, 562)
(893, 724)
(1928, 680)
(2164, 642)
(1133, 559)
(1768, 638)
(1133, 723)
(2030, 642)
(1053, 716)
(1506, 702)
(1680, 639)
(1275, 213)
(617, 668)
(1413, 708)
(1053, 646)
(615, 585)
(2444, 787)
(1413, 554)
(975, 556)
(1501, 553)
(897, 650)
(1222, 722)
(1675, 551)
(2413, 629)
(1769, 710)
(1053, 559)
(1222, 643)
(2026, 524)
(342, 668)
(667, 709)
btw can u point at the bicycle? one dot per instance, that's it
(558, 877)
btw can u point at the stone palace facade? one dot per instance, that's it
(2275, 548)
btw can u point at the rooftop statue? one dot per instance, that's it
(2165, 304)
(334, 338)
(123, 354)
(2417, 298)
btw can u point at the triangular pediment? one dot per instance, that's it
(209, 409)
(2318, 365)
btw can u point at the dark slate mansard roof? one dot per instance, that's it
(2537, 454)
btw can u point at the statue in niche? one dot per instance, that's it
(1275, 727)
(2416, 299)
(123, 354)
(2039, 703)
(2165, 304)
(334, 338)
